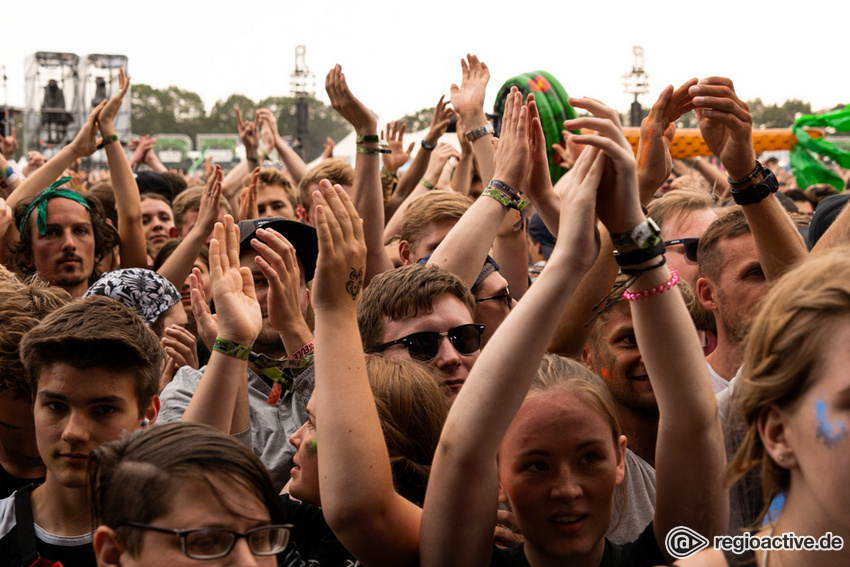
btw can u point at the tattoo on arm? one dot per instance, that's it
(355, 282)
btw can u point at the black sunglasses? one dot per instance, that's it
(690, 244)
(506, 296)
(424, 346)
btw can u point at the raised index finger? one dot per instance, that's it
(238, 117)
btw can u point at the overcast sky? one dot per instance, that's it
(400, 56)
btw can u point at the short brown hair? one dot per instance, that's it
(430, 207)
(190, 200)
(731, 224)
(336, 171)
(22, 306)
(412, 410)
(684, 200)
(401, 293)
(271, 176)
(96, 332)
(135, 478)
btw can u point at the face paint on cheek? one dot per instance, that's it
(311, 449)
(827, 432)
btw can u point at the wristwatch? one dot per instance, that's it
(644, 235)
(757, 192)
(427, 145)
(473, 135)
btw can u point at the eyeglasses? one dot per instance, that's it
(424, 346)
(214, 543)
(506, 296)
(690, 244)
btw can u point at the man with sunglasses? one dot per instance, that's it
(683, 216)
(422, 313)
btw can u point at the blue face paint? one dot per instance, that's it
(826, 431)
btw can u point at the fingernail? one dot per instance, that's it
(699, 100)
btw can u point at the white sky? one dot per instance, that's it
(400, 56)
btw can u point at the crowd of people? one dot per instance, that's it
(443, 360)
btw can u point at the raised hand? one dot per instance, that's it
(346, 104)
(469, 97)
(439, 157)
(110, 111)
(209, 207)
(511, 161)
(395, 142)
(328, 152)
(206, 322)
(726, 124)
(9, 144)
(84, 143)
(248, 204)
(440, 121)
(267, 120)
(238, 312)
(656, 132)
(249, 134)
(279, 263)
(180, 346)
(618, 206)
(34, 161)
(342, 251)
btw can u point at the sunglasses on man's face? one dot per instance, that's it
(690, 244)
(424, 346)
(506, 297)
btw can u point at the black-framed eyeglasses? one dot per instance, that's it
(424, 346)
(506, 296)
(214, 543)
(690, 244)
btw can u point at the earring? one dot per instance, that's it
(145, 422)
(781, 458)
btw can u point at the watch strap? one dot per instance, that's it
(473, 135)
(756, 192)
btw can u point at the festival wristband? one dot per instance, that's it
(229, 348)
(107, 140)
(367, 139)
(428, 185)
(372, 151)
(8, 173)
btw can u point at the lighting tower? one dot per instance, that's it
(302, 85)
(636, 82)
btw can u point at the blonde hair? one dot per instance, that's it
(336, 171)
(412, 410)
(784, 354)
(678, 202)
(430, 207)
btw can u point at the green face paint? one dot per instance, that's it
(311, 449)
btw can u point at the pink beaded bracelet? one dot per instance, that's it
(637, 296)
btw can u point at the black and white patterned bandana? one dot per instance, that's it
(146, 291)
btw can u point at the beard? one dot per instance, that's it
(269, 342)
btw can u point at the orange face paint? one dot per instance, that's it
(604, 372)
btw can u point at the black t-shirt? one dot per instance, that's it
(70, 551)
(643, 552)
(9, 483)
(312, 543)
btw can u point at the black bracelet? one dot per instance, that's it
(639, 271)
(107, 140)
(640, 255)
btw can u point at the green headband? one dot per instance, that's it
(41, 203)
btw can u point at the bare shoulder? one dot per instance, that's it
(705, 558)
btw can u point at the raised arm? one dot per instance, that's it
(179, 265)
(366, 194)
(460, 506)
(371, 520)
(410, 180)
(290, 158)
(128, 205)
(690, 455)
(239, 317)
(83, 145)
(249, 133)
(465, 247)
(468, 101)
(726, 126)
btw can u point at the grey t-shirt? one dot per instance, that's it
(634, 503)
(271, 424)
